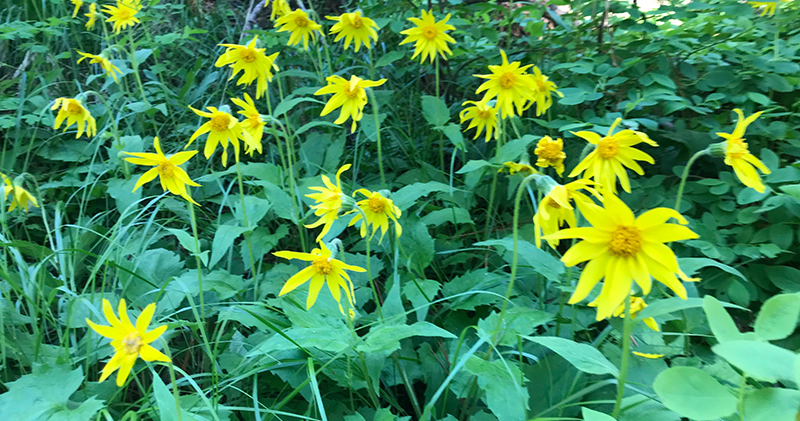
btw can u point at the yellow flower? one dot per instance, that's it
(648, 356)
(354, 27)
(769, 6)
(550, 153)
(622, 248)
(280, 8)
(78, 4)
(349, 95)
(300, 26)
(122, 16)
(252, 124)
(611, 155)
(556, 209)
(542, 95)
(511, 84)
(323, 269)
(429, 36)
(104, 63)
(250, 60)
(377, 210)
(129, 341)
(92, 15)
(222, 128)
(73, 111)
(329, 202)
(19, 196)
(172, 177)
(518, 167)
(481, 116)
(738, 156)
(637, 305)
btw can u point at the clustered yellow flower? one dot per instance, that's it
(252, 62)
(19, 196)
(123, 15)
(349, 95)
(769, 6)
(738, 156)
(104, 63)
(222, 128)
(482, 117)
(73, 111)
(299, 26)
(550, 153)
(354, 28)
(429, 37)
(171, 175)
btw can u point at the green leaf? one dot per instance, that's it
(421, 292)
(513, 149)
(759, 360)
(408, 195)
(123, 194)
(720, 321)
(289, 103)
(223, 240)
(771, 404)
(516, 321)
(589, 415)
(691, 265)
(308, 126)
(256, 208)
(389, 58)
(778, 317)
(584, 357)
(671, 305)
(473, 165)
(499, 380)
(452, 215)
(417, 247)
(694, 394)
(386, 338)
(435, 110)
(187, 242)
(786, 278)
(542, 262)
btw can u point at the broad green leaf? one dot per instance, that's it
(584, 357)
(694, 394)
(187, 242)
(416, 246)
(289, 103)
(500, 381)
(530, 255)
(691, 265)
(408, 195)
(589, 415)
(389, 58)
(719, 320)
(420, 292)
(123, 194)
(386, 338)
(223, 240)
(759, 360)
(673, 304)
(452, 215)
(771, 404)
(517, 320)
(473, 165)
(513, 149)
(786, 278)
(778, 317)
(435, 110)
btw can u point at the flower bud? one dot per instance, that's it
(348, 203)
(545, 184)
(717, 149)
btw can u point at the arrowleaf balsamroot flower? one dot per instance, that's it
(378, 211)
(622, 248)
(78, 4)
(300, 26)
(250, 60)
(611, 155)
(481, 116)
(429, 37)
(92, 15)
(324, 269)
(172, 177)
(19, 196)
(739, 157)
(221, 129)
(769, 6)
(122, 16)
(511, 84)
(556, 209)
(349, 95)
(252, 123)
(280, 8)
(354, 27)
(129, 341)
(73, 111)
(104, 63)
(329, 202)
(550, 153)
(543, 95)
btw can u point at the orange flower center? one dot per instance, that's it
(131, 343)
(351, 90)
(301, 21)
(608, 148)
(626, 241)
(357, 23)
(166, 169)
(736, 148)
(376, 205)
(323, 266)
(552, 203)
(541, 85)
(485, 114)
(430, 32)
(124, 14)
(220, 122)
(248, 55)
(254, 121)
(549, 151)
(74, 108)
(507, 80)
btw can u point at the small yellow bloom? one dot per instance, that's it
(78, 4)
(623, 248)
(556, 209)
(129, 341)
(511, 84)
(250, 60)
(122, 16)
(323, 269)
(329, 202)
(738, 156)
(481, 116)
(518, 167)
(300, 26)
(92, 15)
(769, 6)
(19, 196)
(429, 37)
(349, 95)
(221, 129)
(648, 356)
(73, 111)
(104, 63)
(172, 177)
(252, 124)
(550, 153)
(611, 155)
(637, 305)
(542, 96)
(280, 8)
(378, 211)
(354, 27)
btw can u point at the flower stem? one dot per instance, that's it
(369, 272)
(253, 266)
(490, 209)
(377, 136)
(441, 135)
(685, 175)
(777, 37)
(197, 260)
(627, 328)
(740, 406)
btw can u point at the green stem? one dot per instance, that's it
(253, 266)
(742, 384)
(490, 209)
(685, 175)
(441, 135)
(377, 136)
(777, 37)
(197, 260)
(369, 272)
(626, 353)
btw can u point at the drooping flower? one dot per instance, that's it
(648, 356)
(252, 123)
(78, 4)
(280, 8)
(739, 157)
(329, 202)
(769, 6)
(19, 196)
(221, 129)
(250, 60)
(73, 111)
(550, 153)
(611, 155)
(513, 86)
(300, 26)
(544, 88)
(481, 116)
(129, 341)
(354, 27)
(349, 95)
(167, 169)
(122, 16)
(378, 210)
(104, 63)
(517, 167)
(429, 37)
(622, 248)
(637, 305)
(556, 209)
(92, 15)
(324, 269)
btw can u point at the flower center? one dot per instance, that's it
(552, 203)
(351, 91)
(430, 32)
(608, 148)
(626, 241)
(248, 55)
(74, 108)
(736, 148)
(220, 122)
(507, 80)
(323, 266)
(550, 152)
(541, 85)
(124, 14)
(166, 169)
(357, 23)
(376, 205)
(131, 343)
(301, 21)
(254, 121)
(484, 114)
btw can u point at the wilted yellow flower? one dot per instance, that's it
(481, 116)
(519, 167)
(550, 153)
(78, 4)
(323, 269)
(280, 8)
(92, 15)
(129, 341)
(221, 129)
(300, 26)
(429, 37)
(72, 110)
(622, 248)
(172, 177)
(329, 202)
(739, 157)
(648, 356)
(611, 155)
(637, 305)
(122, 16)
(250, 60)
(769, 6)
(104, 63)
(543, 94)
(354, 27)
(252, 123)
(349, 95)
(511, 84)
(378, 211)
(556, 209)
(19, 196)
